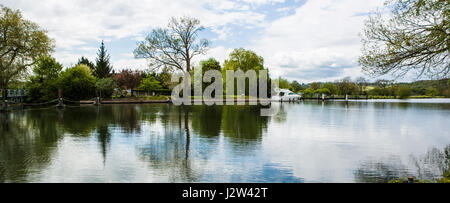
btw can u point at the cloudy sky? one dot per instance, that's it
(304, 40)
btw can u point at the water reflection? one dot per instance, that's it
(429, 166)
(305, 142)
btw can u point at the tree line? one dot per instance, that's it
(378, 89)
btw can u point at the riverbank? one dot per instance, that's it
(131, 100)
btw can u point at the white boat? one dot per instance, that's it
(284, 95)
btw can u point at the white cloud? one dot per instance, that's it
(80, 22)
(320, 41)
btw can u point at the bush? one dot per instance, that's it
(77, 83)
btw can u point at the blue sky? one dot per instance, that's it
(304, 40)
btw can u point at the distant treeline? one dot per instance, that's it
(381, 88)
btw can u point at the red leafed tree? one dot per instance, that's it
(128, 79)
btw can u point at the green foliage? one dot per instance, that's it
(283, 83)
(86, 61)
(323, 91)
(22, 43)
(346, 87)
(331, 87)
(42, 86)
(414, 38)
(102, 67)
(77, 83)
(296, 87)
(244, 60)
(149, 84)
(106, 86)
(404, 92)
(210, 64)
(308, 92)
(315, 86)
(431, 91)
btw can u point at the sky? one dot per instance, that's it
(303, 40)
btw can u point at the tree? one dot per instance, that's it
(77, 83)
(105, 86)
(210, 64)
(431, 91)
(174, 46)
(102, 67)
(323, 91)
(244, 60)
(404, 92)
(315, 86)
(334, 90)
(362, 83)
(296, 87)
(149, 84)
(22, 42)
(346, 87)
(86, 61)
(42, 86)
(128, 79)
(416, 37)
(283, 83)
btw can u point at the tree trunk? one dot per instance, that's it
(4, 94)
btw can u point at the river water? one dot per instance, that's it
(362, 141)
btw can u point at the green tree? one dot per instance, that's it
(415, 37)
(283, 83)
(346, 87)
(210, 64)
(296, 87)
(77, 83)
(106, 86)
(244, 60)
(150, 84)
(431, 91)
(102, 67)
(42, 86)
(174, 46)
(315, 86)
(22, 42)
(331, 87)
(323, 91)
(86, 61)
(404, 91)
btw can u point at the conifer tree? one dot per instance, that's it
(102, 68)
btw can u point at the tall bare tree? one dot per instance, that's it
(414, 38)
(22, 42)
(174, 46)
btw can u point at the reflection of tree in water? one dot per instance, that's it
(433, 164)
(374, 171)
(169, 152)
(207, 120)
(244, 127)
(26, 145)
(243, 123)
(430, 166)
